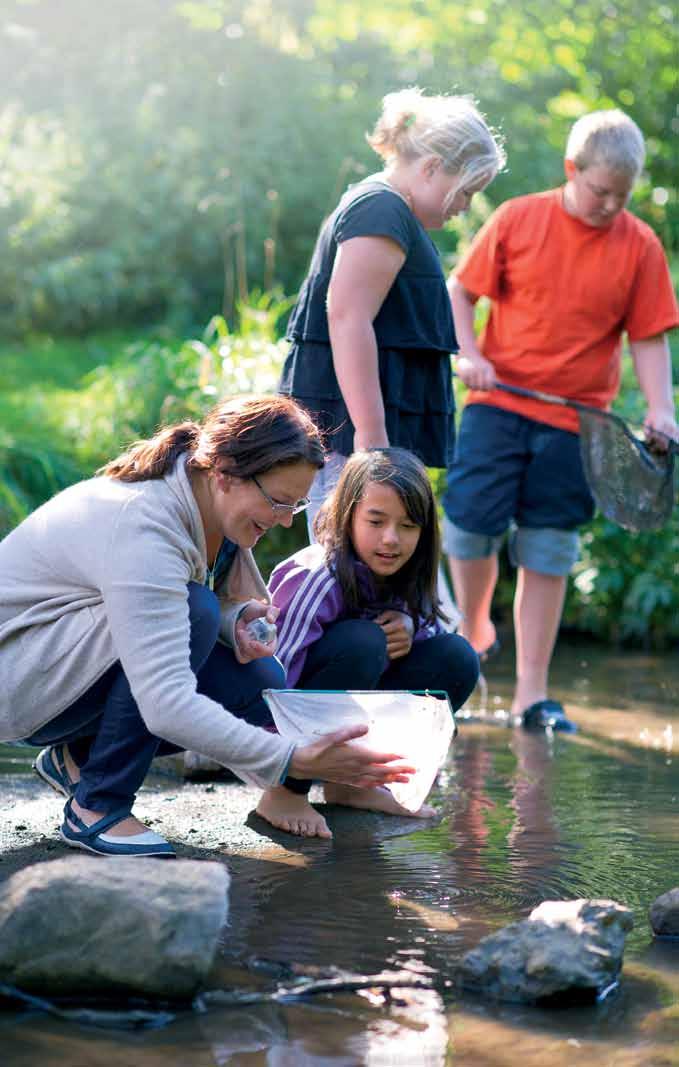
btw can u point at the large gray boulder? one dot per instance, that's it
(570, 949)
(663, 914)
(118, 925)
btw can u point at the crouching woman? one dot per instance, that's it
(124, 610)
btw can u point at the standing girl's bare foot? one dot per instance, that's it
(290, 811)
(377, 799)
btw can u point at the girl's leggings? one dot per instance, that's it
(353, 655)
(106, 735)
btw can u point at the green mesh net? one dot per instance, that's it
(632, 485)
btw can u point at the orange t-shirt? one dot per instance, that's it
(562, 294)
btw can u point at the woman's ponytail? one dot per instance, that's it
(157, 456)
(247, 435)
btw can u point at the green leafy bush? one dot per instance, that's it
(625, 588)
(158, 159)
(60, 433)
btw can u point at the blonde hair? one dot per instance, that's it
(610, 138)
(413, 125)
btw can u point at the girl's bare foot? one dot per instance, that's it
(290, 811)
(377, 799)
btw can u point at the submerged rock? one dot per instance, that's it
(111, 926)
(663, 914)
(566, 949)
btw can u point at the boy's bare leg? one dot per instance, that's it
(292, 812)
(538, 603)
(474, 582)
(377, 799)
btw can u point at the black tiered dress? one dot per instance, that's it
(414, 330)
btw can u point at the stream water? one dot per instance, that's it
(524, 818)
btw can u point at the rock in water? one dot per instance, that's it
(664, 914)
(112, 926)
(570, 949)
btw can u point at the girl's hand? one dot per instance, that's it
(399, 629)
(247, 648)
(476, 371)
(331, 759)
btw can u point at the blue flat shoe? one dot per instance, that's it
(545, 714)
(94, 839)
(50, 765)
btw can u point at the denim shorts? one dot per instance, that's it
(511, 472)
(322, 486)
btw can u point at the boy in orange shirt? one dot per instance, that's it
(567, 271)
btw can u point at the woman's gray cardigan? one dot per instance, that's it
(99, 574)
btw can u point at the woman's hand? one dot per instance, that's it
(247, 648)
(475, 371)
(399, 629)
(331, 759)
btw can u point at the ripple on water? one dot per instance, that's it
(524, 819)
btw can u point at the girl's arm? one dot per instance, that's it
(364, 272)
(308, 600)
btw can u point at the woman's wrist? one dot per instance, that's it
(296, 764)
(285, 773)
(371, 436)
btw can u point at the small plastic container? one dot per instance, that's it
(419, 726)
(262, 630)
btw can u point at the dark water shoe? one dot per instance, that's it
(545, 714)
(50, 765)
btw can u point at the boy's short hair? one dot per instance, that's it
(610, 138)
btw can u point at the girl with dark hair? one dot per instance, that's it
(341, 603)
(125, 603)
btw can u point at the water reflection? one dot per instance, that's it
(412, 1031)
(524, 818)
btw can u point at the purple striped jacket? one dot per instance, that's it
(310, 599)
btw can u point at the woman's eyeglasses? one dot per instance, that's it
(282, 509)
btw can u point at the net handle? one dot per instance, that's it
(561, 401)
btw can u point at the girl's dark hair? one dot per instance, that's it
(416, 582)
(245, 435)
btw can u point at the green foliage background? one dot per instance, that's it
(164, 164)
(157, 156)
